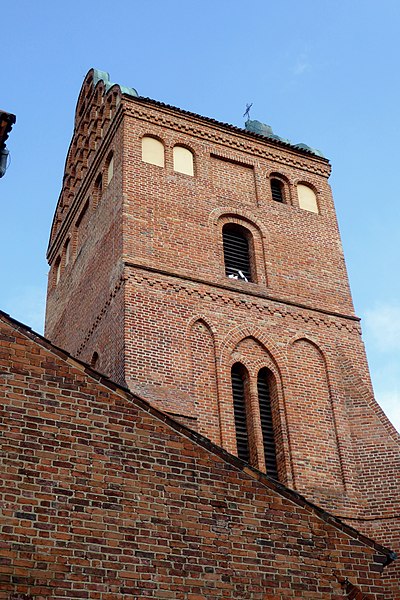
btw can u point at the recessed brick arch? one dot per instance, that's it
(243, 216)
(274, 359)
(220, 217)
(330, 364)
(274, 174)
(206, 320)
(239, 333)
(313, 416)
(308, 183)
(201, 348)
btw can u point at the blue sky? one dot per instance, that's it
(323, 72)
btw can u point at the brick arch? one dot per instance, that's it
(286, 182)
(205, 319)
(311, 392)
(243, 215)
(273, 174)
(203, 368)
(301, 181)
(275, 360)
(185, 145)
(239, 333)
(322, 349)
(220, 217)
(319, 345)
(238, 354)
(154, 136)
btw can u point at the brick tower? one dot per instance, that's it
(200, 265)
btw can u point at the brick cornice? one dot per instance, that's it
(225, 135)
(250, 300)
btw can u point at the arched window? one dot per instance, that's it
(183, 160)
(264, 400)
(307, 198)
(277, 190)
(236, 242)
(238, 375)
(57, 267)
(110, 168)
(152, 151)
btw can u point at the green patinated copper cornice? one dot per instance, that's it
(105, 78)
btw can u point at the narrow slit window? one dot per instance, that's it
(67, 249)
(110, 169)
(264, 400)
(236, 253)
(277, 190)
(239, 407)
(98, 188)
(58, 270)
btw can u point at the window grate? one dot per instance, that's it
(239, 407)
(264, 399)
(276, 189)
(236, 255)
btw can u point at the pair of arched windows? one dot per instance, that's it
(245, 435)
(306, 195)
(153, 152)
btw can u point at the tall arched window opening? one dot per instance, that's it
(236, 242)
(57, 268)
(110, 168)
(277, 190)
(238, 375)
(67, 250)
(267, 427)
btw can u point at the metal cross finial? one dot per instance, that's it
(247, 111)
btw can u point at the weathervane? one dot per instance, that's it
(247, 111)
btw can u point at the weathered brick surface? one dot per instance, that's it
(146, 289)
(103, 497)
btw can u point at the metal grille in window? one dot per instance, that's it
(276, 189)
(239, 407)
(264, 399)
(236, 254)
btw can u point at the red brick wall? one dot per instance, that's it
(85, 311)
(102, 497)
(150, 295)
